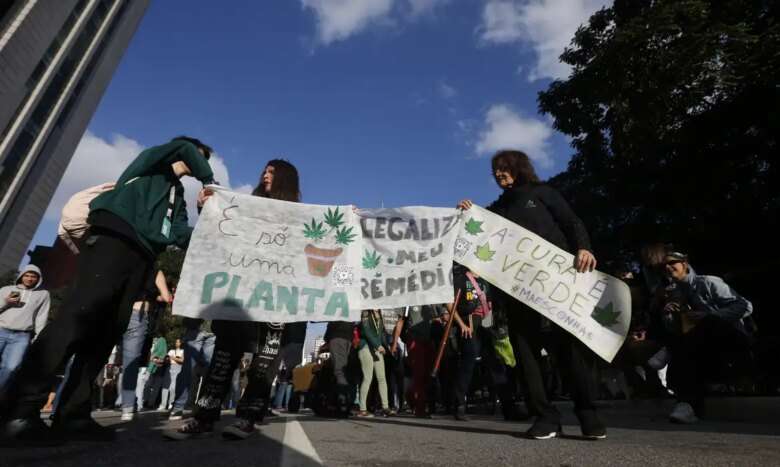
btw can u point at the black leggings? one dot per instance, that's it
(233, 339)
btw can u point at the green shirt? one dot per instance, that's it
(159, 350)
(141, 196)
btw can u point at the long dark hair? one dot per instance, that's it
(285, 185)
(516, 163)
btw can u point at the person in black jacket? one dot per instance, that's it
(541, 209)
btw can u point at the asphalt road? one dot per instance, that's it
(637, 436)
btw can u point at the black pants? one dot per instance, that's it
(576, 363)
(111, 273)
(394, 374)
(233, 339)
(154, 385)
(503, 380)
(698, 354)
(466, 360)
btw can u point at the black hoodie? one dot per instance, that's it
(542, 210)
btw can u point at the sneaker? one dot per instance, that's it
(591, 425)
(84, 429)
(660, 359)
(543, 430)
(241, 429)
(30, 432)
(176, 415)
(683, 413)
(365, 414)
(192, 429)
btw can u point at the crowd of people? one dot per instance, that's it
(682, 321)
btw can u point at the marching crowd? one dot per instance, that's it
(682, 322)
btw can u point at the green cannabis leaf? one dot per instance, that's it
(313, 231)
(371, 260)
(606, 316)
(474, 227)
(334, 218)
(344, 235)
(484, 252)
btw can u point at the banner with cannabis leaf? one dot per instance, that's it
(593, 306)
(259, 259)
(407, 255)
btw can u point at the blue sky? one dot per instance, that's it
(398, 102)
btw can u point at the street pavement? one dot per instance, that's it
(638, 435)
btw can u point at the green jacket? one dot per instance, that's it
(140, 197)
(372, 331)
(159, 350)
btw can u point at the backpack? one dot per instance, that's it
(484, 311)
(73, 223)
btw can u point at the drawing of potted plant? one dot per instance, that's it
(320, 259)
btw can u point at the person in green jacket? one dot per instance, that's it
(129, 226)
(371, 351)
(156, 369)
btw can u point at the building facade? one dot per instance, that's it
(56, 60)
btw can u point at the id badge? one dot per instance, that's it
(166, 228)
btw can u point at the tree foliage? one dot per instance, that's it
(673, 107)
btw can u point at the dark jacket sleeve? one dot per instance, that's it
(181, 228)
(167, 154)
(570, 224)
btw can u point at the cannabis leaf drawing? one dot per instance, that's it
(474, 227)
(313, 231)
(334, 218)
(344, 235)
(606, 316)
(484, 252)
(371, 260)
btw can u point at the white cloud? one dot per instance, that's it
(339, 19)
(97, 161)
(446, 91)
(546, 26)
(506, 129)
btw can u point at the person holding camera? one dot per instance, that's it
(371, 352)
(24, 311)
(703, 318)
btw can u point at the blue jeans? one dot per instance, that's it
(198, 350)
(132, 347)
(282, 397)
(13, 345)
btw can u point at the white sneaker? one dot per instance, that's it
(127, 416)
(683, 413)
(660, 359)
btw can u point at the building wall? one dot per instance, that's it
(25, 213)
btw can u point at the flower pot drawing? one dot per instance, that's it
(320, 260)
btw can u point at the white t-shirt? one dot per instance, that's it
(175, 353)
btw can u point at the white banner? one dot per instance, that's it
(593, 306)
(258, 259)
(407, 256)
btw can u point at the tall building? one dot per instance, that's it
(56, 60)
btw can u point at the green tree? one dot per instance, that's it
(673, 110)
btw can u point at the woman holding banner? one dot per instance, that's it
(279, 180)
(541, 209)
